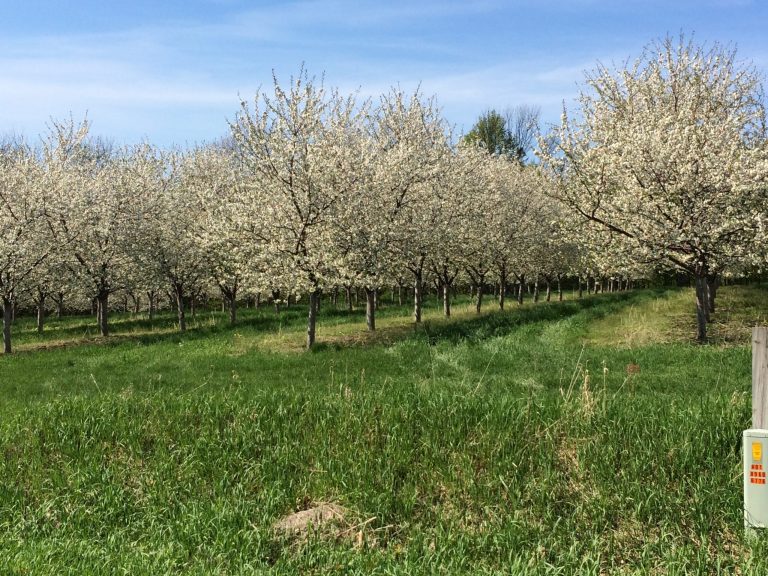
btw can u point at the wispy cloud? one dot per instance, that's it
(177, 80)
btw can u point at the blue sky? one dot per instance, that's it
(173, 71)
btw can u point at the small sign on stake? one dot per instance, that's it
(755, 487)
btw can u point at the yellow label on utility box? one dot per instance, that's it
(757, 451)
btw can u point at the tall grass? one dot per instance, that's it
(510, 443)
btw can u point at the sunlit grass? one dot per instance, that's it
(652, 321)
(513, 442)
(671, 318)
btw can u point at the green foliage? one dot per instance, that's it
(491, 131)
(490, 444)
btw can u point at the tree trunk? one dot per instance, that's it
(549, 291)
(103, 312)
(417, 289)
(348, 297)
(559, 289)
(232, 301)
(312, 318)
(590, 285)
(502, 288)
(276, 300)
(257, 301)
(179, 293)
(370, 309)
(40, 312)
(713, 283)
(59, 299)
(536, 291)
(520, 290)
(229, 293)
(7, 321)
(479, 297)
(447, 300)
(399, 294)
(151, 307)
(702, 307)
(581, 291)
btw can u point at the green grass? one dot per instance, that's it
(515, 442)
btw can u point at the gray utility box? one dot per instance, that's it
(755, 486)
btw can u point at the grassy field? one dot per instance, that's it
(582, 437)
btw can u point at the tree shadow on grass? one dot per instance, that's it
(501, 323)
(265, 322)
(472, 327)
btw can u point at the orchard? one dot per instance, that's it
(662, 167)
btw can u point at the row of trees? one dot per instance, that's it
(313, 192)
(664, 166)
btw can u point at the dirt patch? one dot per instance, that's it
(301, 522)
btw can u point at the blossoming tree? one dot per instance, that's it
(662, 155)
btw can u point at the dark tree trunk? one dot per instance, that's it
(702, 308)
(232, 311)
(59, 299)
(502, 287)
(151, 296)
(40, 312)
(348, 297)
(581, 291)
(257, 301)
(480, 290)
(447, 300)
(590, 283)
(229, 293)
(103, 312)
(375, 298)
(276, 300)
(520, 296)
(559, 289)
(7, 321)
(179, 293)
(549, 291)
(536, 291)
(370, 309)
(312, 318)
(399, 294)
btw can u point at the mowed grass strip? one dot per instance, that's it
(515, 442)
